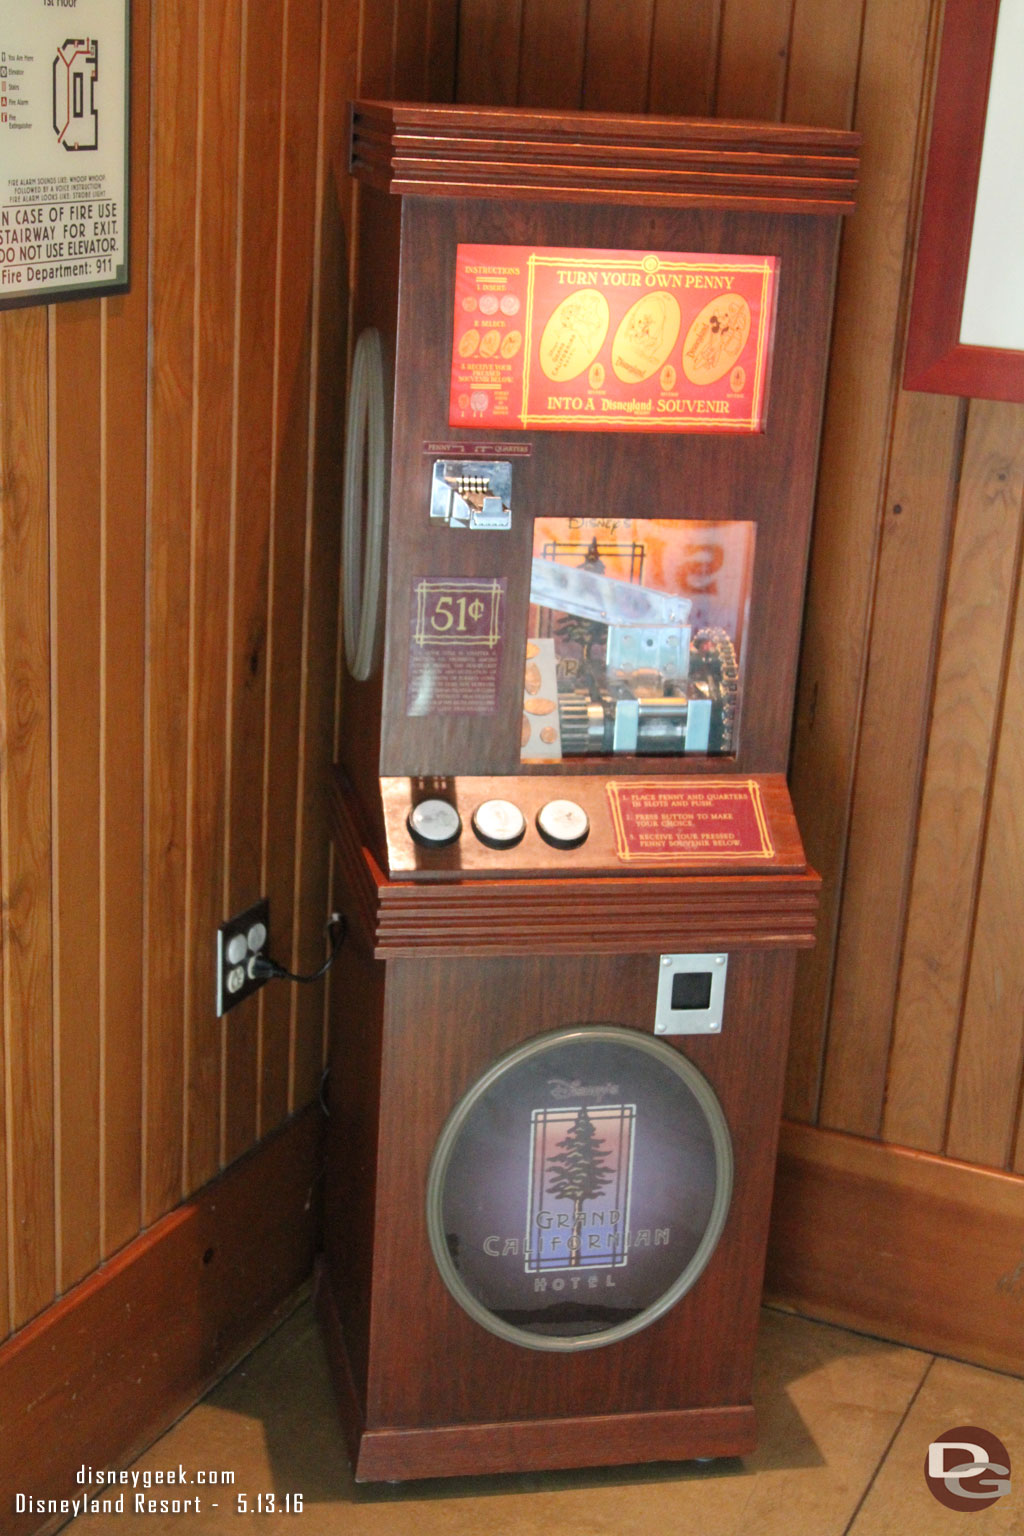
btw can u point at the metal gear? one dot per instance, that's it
(716, 656)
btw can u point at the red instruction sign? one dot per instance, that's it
(611, 341)
(707, 820)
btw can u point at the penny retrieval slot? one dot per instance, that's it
(690, 990)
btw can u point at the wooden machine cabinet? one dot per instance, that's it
(589, 362)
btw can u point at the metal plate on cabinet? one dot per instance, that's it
(691, 994)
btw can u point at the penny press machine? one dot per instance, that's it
(586, 394)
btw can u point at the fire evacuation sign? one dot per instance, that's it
(64, 104)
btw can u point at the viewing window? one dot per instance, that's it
(636, 634)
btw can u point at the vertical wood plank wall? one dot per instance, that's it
(908, 750)
(168, 626)
(168, 596)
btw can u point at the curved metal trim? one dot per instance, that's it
(365, 437)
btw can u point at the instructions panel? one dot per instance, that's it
(611, 341)
(63, 149)
(711, 820)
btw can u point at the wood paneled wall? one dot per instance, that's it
(168, 626)
(168, 588)
(908, 752)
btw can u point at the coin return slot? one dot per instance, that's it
(691, 989)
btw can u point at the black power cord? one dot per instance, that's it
(264, 968)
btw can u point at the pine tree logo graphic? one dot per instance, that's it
(578, 1172)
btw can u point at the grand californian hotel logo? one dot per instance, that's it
(581, 1162)
(621, 1151)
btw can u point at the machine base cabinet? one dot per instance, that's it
(428, 1389)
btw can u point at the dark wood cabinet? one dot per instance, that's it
(543, 802)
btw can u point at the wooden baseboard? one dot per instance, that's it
(99, 1375)
(901, 1244)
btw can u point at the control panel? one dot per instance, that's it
(551, 823)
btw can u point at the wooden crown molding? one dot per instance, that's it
(452, 151)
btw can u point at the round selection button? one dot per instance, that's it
(499, 823)
(434, 823)
(563, 823)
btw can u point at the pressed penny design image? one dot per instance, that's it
(539, 706)
(645, 337)
(574, 334)
(716, 338)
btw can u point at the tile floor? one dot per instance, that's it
(845, 1423)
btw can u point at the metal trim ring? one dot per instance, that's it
(365, 438)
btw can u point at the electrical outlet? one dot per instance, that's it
(239, 941)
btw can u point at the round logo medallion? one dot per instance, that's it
(579, 1188)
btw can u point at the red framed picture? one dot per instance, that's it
(966, 334)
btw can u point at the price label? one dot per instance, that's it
(456, 645)
(454, 617)
(466, 613)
